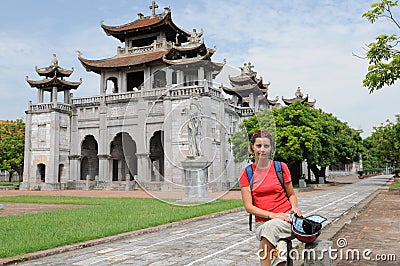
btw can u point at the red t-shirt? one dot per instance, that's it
(268, 193)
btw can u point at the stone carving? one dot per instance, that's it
(194, 125)
(195, 37)
(54, 60)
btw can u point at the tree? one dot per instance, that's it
(12, 138)
(383, 55)
(382, 147)
(304, 133)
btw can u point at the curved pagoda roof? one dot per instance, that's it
(149, 24)
(191, 53)
(48, 84)
(243, 91)
(299, 97)
(54, 69)
(120, 61)
(246, 83)
(54, 77)
(178, 48)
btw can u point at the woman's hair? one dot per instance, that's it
(260, 134)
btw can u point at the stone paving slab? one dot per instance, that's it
(220, 240)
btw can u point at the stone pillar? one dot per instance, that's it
(74, 173)
(169, 77)
(148, 80)
(103, 84)
(54, 95)
(29, 175)
(143, 167)
(66, 96)
(169, 138)
(122, 82)
(196, 180)
(200, 74)
(54, 157)
(103, 168)
(40, 95)
(102, 144)
(179, 77)
(251, 100)
(74, 162)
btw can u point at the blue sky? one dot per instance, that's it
(306, 44)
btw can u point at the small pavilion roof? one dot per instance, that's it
(243, 91)
(53, 69)
(299, 97)
(146, 24)
(48, 84)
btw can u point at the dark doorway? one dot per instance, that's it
(134, 80)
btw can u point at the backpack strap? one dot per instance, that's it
(249, 172)
(279, 174)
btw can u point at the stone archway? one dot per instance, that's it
(41, 172)
(89, 161)
(157, 156)
(123, 160)
(112, 85)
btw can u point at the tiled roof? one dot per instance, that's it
(303, 100)
(49, 83)
(243, 91)
(120, 61)
(50, 71)
(137, 24)
(145, 24)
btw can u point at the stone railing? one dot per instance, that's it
(154, 47)
(174, 91)
(87, 100)
(244, 111)
(45, 107)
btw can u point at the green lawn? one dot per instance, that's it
(99, 217)
(2, 183)
(395, 185)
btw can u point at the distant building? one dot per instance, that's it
(298, 98)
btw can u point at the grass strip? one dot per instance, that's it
(27, 233)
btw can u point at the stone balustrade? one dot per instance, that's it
(44, 107)
(154, 47)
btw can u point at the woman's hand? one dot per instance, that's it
(296, 211)
(282, 216)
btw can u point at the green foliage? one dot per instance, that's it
(382, 55)
(303, 133)
(12, 138)
(100, 217)
(240, 139)
(383, 146)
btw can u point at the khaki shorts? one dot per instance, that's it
(276, 231)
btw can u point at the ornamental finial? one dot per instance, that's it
(153, 8)
(54, 60)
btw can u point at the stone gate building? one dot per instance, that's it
(136, 130)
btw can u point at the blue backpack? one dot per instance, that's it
(249, 172)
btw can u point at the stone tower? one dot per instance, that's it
(47, 135)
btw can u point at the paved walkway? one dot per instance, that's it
(221, 240)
